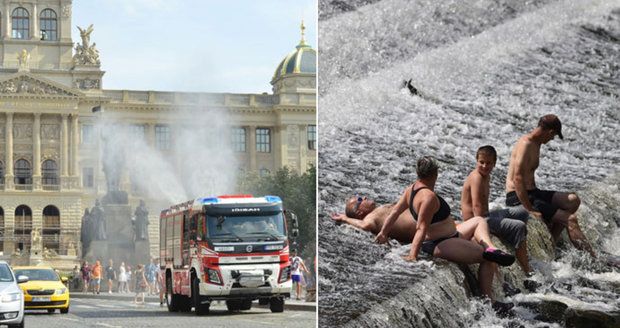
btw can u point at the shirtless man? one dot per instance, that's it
(508, 224)
(363, 213)
(556, 209)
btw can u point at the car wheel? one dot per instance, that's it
(18, 325)
(276, 304)
(51, 310)
(65, 310)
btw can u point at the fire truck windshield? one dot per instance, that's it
(256, 227)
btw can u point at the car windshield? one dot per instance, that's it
(38, 274)
(5, 273)
(244, 227)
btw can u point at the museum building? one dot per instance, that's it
(51, 93)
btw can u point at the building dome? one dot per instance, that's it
(302, 60)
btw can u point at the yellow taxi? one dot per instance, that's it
(44, 290)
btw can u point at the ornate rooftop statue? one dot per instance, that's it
(85, 53)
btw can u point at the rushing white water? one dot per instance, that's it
(486, 71)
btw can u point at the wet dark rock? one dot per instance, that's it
(547, 310)
(531, 285)
(576, 318)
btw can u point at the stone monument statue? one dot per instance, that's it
(35, 241)
(85, 53)
(99, 222)
(86, 232)
(141, 222)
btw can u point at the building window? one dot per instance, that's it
(1, 173)
(23, 227)
(20, 21)
(88, 135)
(23, 172)
(263, 172)
(137, 131)
(263, 140)
(162, 137)
(49, 27)
(312, 137)
(49, 170)
(88, 177)
(238, 139)
(51, 228)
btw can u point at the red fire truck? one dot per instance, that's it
(233, 248)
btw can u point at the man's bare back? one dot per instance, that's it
(524, 161)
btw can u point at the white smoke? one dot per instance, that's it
(200, 161)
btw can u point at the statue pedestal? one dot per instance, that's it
(98, 251)
(36, 257)
(142, 252)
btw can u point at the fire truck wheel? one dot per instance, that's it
(171, 301)
(185, 303)
(233, 305)
(276, 304)
(246, 305)
(200, 309)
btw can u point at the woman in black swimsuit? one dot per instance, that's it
(439, 235)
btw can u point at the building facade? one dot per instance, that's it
(52, 96)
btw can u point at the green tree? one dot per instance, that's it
(298, 193)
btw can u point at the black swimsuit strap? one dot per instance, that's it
(413, 193)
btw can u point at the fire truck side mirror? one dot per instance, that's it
(295, 233)
(294, 220)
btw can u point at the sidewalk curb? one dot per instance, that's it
(153, 299)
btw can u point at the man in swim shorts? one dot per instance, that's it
(556, 209)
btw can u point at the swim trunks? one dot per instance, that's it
(540, 199)
(428, 246)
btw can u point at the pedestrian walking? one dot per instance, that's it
(122, 279)
(141, 284)
(110, 275)
(95, 276)
(85, 271)
(151, 277)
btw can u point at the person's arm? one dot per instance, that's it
(366, 224)
(400, 207)
(428, 207)
(303, 266)
(476, 196)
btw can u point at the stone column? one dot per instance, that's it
(34, 18)
(36, 162)
(75, 141)
(252, 147)
(6, 20)
(150, 135)
(9, 175)
(64, 148)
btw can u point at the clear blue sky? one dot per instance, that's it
(194, 45)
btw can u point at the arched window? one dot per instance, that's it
(48, 25)
(20, 21)
(49, 170)
(23, 172)
(2, 234)
(23, 227)
(51, 228)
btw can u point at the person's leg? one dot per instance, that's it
(463, 251)
(522, 257)
(576, 236)
(477, 229)
(569, 202)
